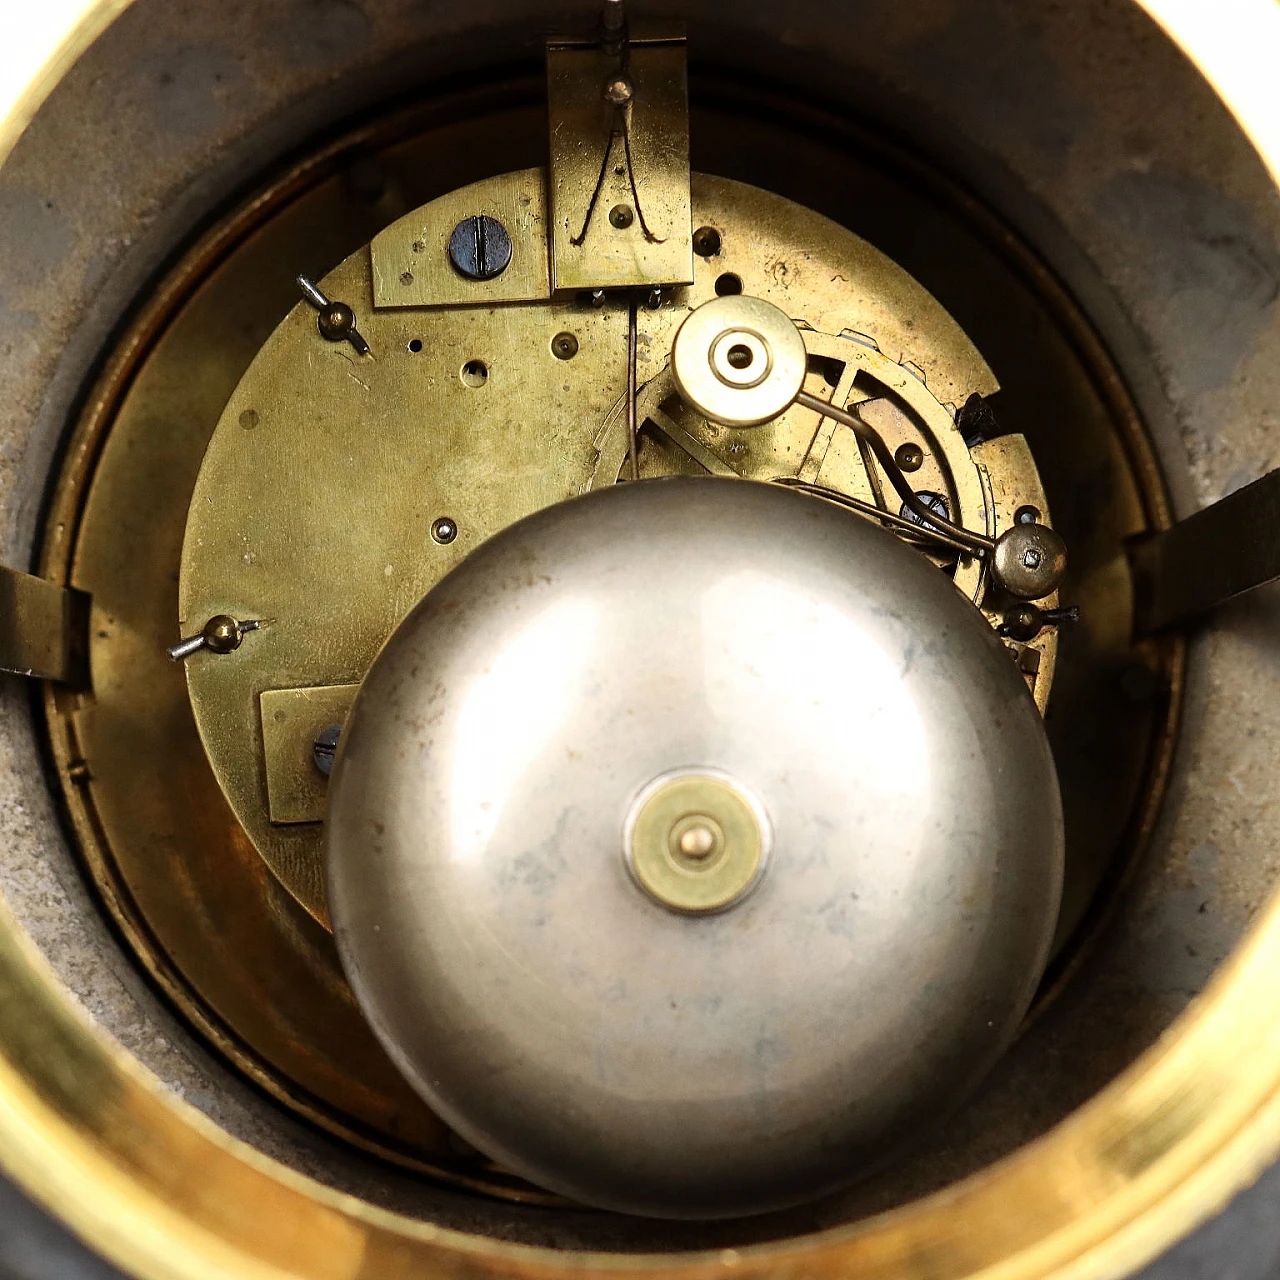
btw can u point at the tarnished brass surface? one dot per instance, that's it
(319, 488)
(410, 259)
(43, 628)
(606, 158)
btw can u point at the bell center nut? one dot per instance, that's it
(696, 841)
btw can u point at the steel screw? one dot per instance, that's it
(934, 503)
(325, 747)
(480, 248)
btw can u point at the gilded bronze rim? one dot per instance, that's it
(88, 1133)
(1136, 1167)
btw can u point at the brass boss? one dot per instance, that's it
(739, 359)
(695, 841)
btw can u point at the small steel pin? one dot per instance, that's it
(312, 294)
(613, 25)
(221, 634)
(336, 321)
(1026, 621)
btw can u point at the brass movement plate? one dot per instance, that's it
(316, 499)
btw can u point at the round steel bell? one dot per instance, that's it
(691, 845)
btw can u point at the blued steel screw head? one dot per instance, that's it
(480, 248)
(325, 747)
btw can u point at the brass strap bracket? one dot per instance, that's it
(612, 211)
(618, 183)
(44, 629)
(292, 721)
(1206, 559)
